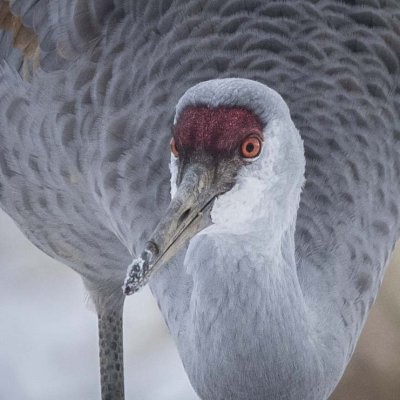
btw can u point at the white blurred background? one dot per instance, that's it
(48, 337)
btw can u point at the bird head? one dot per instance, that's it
(235, 156)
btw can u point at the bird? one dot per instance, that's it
(241, 157)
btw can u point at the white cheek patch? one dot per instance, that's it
(173, 168)
(236, 209)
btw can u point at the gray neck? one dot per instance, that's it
(111, 353)
(249, 324)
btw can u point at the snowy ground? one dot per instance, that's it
(48, 337)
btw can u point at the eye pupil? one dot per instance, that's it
(250, 148)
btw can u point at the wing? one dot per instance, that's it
(36, 175)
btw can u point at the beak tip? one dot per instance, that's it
(136, 277)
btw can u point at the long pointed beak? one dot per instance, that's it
(187, 214)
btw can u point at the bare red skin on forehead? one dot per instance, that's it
(219, 131)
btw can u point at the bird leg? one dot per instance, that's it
(111, 354)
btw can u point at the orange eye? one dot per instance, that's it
(251, 147)
(174, 150)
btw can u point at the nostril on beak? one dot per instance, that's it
(184, 215)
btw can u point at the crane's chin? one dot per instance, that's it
(163, 246)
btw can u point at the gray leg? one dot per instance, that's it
(111, 354)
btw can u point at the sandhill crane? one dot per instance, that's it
(284, 173)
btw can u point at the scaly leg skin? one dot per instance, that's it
(111, 354)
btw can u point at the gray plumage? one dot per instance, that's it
(84, 161)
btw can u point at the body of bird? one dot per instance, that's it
(269, 299)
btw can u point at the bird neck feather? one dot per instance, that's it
(248, 321)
